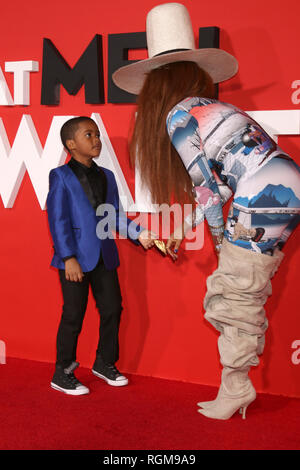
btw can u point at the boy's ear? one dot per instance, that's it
(70, 144)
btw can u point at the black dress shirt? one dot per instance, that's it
(93, 182)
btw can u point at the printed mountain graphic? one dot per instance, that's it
(272, 196)
(265, 220)
(183, 131)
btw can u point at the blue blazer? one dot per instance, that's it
(73, 221)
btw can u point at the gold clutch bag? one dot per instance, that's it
(161, 246)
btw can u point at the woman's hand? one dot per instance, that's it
(174, 242)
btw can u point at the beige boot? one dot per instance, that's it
(236, 393)
(238, 352)
(234, 304)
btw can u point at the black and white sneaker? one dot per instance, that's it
(65, 381)
(109, 373)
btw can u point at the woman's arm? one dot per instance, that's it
(185, 136)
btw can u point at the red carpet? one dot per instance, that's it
(150, 413)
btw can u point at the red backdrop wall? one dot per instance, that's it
(163, 332)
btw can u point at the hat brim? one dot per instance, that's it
(219, 64)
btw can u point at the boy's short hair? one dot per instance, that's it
(70, 127)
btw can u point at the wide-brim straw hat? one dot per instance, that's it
(170, 38)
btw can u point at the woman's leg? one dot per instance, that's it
(234, 303)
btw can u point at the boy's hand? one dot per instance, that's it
(147, 238)
(73, 270)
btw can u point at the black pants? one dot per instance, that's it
(106, 291)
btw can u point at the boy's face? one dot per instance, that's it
(86, 143)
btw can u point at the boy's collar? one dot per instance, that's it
(75, 162)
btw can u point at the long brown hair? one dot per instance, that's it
(161, 168)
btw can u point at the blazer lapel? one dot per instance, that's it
(78, 190)
(109, 186)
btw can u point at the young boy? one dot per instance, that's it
(76, 190)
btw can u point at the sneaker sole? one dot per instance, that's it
(84, 391)
(113, 383)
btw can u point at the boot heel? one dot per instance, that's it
(243, 411)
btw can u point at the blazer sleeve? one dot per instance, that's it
(197, 216)
(59, 217)
(124, 225)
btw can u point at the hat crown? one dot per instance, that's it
(169, 27)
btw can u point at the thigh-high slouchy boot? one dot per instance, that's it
(236, 294)
(238, 352)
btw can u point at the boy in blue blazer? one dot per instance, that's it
(83, 259)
